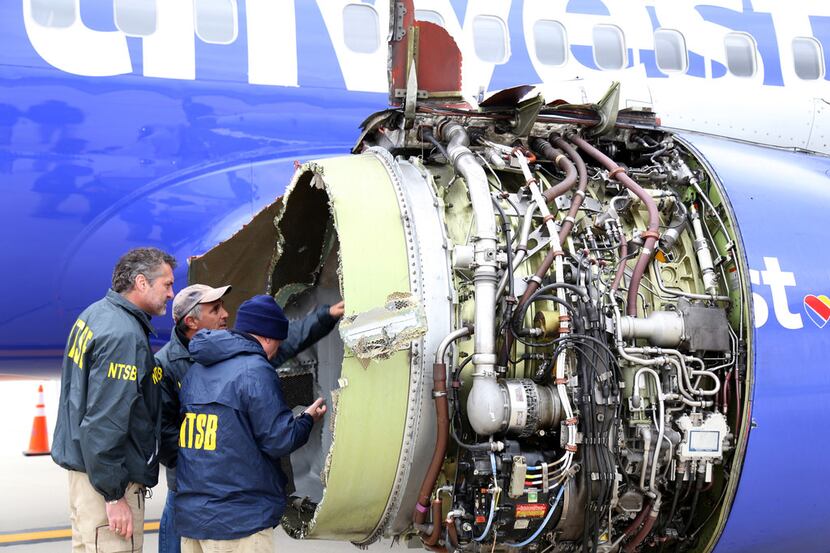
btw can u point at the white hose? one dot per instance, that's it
(662, 420)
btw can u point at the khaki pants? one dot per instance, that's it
(261, 542)
(90, 527)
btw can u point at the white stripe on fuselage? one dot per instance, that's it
(701, 102)
(272, 39)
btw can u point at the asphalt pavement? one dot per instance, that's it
(34, 490)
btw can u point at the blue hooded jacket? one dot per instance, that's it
(236, 426)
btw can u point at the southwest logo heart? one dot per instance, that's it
(818, 309)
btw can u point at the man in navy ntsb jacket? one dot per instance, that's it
(236, 427)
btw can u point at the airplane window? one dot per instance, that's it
(670, 51)
(490, 38)
(360, 28)
(53, 13)
(609, 47)
(216, 20)
(551, 42)
(807, 56)
(740, 54)
(429, 15)
(135, 17)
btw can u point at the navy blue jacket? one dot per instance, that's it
(176, 360)
(236, 426)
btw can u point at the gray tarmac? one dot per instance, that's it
(283, 544)
(34, 490)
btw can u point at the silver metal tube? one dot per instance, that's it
(664, 356)
(645, 432)
(713, 376)
(503, 282)
(485, 405)
(689, 402)
(660, 328)
(624, 353)
(705, 197)
(672, 357)
(521, 246)
(682, 378)
(704, 371)
(681, 293)
(662, 421)
(441, 352)
(704, 255)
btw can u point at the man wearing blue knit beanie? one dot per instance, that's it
(236, 427)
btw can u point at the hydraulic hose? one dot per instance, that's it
(579, 195)
(631, 546)
(645, 431)
(621, 268)
(695, 497)
(521, 247)
(435, 535)
(554, 255)
(439, 394)
(428, 136)
(674, 501)
(548, 152)
(452, 532)
(650, 235)
(638, 520)
(573, 167)
(661, 428)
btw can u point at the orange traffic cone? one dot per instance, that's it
(39, 442)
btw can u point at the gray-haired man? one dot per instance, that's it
(200, 307)
(195, 308)
(109, 417)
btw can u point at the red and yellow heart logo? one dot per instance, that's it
(818, 309)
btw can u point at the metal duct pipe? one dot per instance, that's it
(704, 255)
(486, 409)
(660, 328)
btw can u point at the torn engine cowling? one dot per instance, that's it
(545, 345)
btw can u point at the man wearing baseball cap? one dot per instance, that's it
(236, 426)
(195, 308)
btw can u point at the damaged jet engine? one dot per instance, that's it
(546, 339)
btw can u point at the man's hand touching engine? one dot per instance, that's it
(337, 310)
(317, 409)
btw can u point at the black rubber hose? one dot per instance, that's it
(427, 135)
(505, 228)
(673, 509)
(698, 486)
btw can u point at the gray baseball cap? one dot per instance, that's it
(193, 295)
